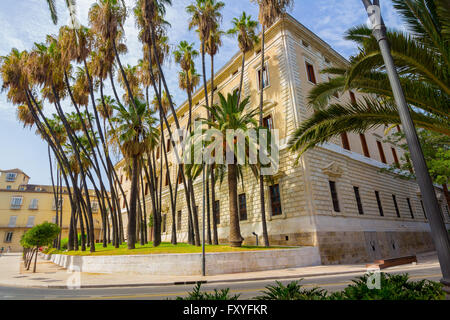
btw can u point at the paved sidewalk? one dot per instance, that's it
(49, 275)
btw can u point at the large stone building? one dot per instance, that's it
(24, 205)
(337, 198)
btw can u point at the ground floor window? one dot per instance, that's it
(8, 237)
(216, 211)
(275, 200)
(358, 200)
(410, 208)
(397, 211)
(242, 207)
(164, 218)
(179, 220)
(334, 196)
(380, 207)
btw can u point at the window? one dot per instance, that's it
(394, 154)
(10, 176)
(179, 220)
(358, 200)
(8, 187)
(60, 203)
(336, 94)
(334, 196)
(30, 221)
(394, 198)
(380, 149)
(310, 72)
(16, 202)
(275, 200)
(268, 122)
(8, 237)
(180, 177)
(345, 142)
(365, 148)
(121, 179)
(423, 209)
(12, 221)
(242, 207)
(124, 203)
(166, 182)
(146, 188)
(410, 208)
(380, 207)
(265, 78)
(216, 211)
(352, 97)
(168, 145)
(94, 206)
(164, 218)
(33, 204)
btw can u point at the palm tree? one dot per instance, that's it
(52, 9)
(422, 59)
(269, 12)
(245, 29)
(228, 115)
(133, 135)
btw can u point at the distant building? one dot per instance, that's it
(24, 205)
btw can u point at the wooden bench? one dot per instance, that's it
(382, 264)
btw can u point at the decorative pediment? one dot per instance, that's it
(269, 104)
(333, 170)
(276, 177)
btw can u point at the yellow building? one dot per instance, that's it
(24, 205)
(337, 198)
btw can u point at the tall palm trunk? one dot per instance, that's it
(133, 204)
(235, 230)
(261, 177)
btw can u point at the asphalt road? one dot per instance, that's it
(247, 290)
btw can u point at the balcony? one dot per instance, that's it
(16, 206)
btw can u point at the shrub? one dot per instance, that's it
(196, 294)
(293, 291)
(392, 287)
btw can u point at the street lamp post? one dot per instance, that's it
(203, 222)
(437, 225)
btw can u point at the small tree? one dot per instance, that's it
(40, 235)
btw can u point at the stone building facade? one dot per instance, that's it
(337, 197)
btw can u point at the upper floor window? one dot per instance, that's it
(275, 200)
(423, 209)
(265, 77)
(310, 72)
(11, 176)
(381, 151)
(16, 202)
(33, 204)
(94, 206)
(12, 221)
(394, 154)
(365, 148)
(352, 97)
(242, 207)
(30, 221)
(345, 141)
(60, 203)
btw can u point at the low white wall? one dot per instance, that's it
(191, 263)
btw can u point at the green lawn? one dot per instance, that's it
(165, 247)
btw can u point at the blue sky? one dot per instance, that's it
(27, 21)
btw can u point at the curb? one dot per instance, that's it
(192, 282)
